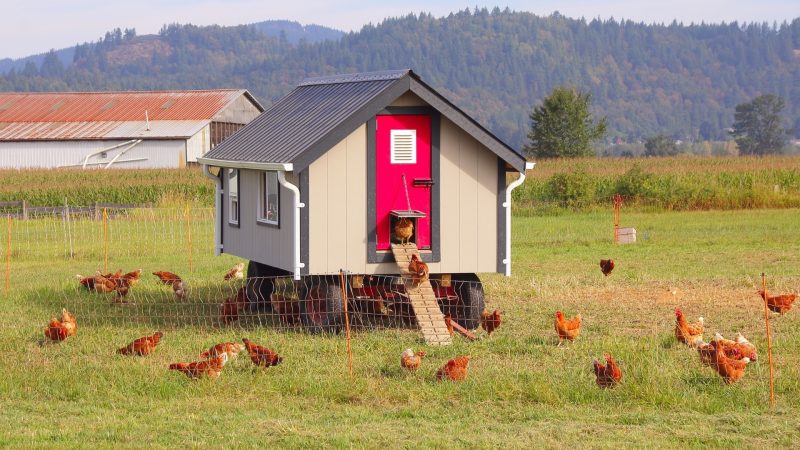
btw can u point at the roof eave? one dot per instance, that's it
(283, 167)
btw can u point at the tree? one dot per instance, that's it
(562, 125)
(758, 126)
(660, 145)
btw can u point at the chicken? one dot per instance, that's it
(454, 370)
(179, 289)
(418, 270)
(87, 282)
(59, 330)
(236, 273)
(403, 229)
(167, 277)
(736, 350)
(231, 307)
(490, 322)
(567, 329)
(448, 321)
(707, 353)
(232, 349)
(287, 308)
(142, 346)
(209, 368)
(609, 375)
(731, 370)
(103, 284)
(780, 304)
(606, 266)
(689, 334)
(410, 359)
(132, 277)
(260, 355)
(747, 348)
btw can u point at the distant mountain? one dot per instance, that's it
(683, 81)
(6, 64)
(294, 32)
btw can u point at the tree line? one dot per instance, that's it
(681, 81)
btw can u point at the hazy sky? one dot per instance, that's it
(36, 26)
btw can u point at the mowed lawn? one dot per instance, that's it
(522, 390)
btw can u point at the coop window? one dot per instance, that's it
(404, 146)
(269, 199)
(233, 196)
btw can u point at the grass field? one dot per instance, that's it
(522, 390)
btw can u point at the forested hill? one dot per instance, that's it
(679, 80)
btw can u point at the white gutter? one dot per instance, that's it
(281, 167)
(86, 159)
(507, 205)
(122, 152)
(297, 205)
(218, 211)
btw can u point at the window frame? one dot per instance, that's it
(234, 201)
(263, 198)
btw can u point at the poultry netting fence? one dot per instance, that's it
(629, 317)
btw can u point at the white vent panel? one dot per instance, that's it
(404, 146)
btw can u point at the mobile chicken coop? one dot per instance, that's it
(317, 182)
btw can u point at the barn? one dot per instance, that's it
(319, 182)
(164, 129)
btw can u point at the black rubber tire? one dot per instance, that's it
(259, 287)
(321, 306)
(471, 300)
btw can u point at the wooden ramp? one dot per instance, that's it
(423, 299)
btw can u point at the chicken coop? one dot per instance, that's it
(321, 180)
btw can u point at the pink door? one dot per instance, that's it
(403, 145)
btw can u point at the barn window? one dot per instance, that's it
(404, 146)
(233, 196)
(269, 199)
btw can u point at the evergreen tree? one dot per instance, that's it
(562, 125)
(660, 145)
(758, 126)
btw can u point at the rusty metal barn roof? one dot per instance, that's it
(322, 111)
(100, 115)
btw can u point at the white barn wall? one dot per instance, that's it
(53, 154)
(199, 144)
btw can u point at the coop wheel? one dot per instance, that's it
(259, 286)
(321, 308)
(470, 302)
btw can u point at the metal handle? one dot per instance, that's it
(423, 182)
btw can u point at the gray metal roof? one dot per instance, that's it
(322, 111)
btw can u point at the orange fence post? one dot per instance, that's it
(189, 237)
(346, 323)
(105, 240)
(8, 257)
(617, 208)
(769, 342)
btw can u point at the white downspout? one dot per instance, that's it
(218, 211)
(507, 206)
(297, 205)
(122, 152)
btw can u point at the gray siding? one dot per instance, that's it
(254, 241)
(241, 110)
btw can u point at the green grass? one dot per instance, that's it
(522, 390)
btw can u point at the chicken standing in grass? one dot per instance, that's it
(142, 346)
(490, 321)
(608, 375)
(689, 334)
(230, 308)
(735, 349)
(232, 349)
(411, 360)
(236, 273)
(731, 370)
(454, 370)
(59, 330)
(567, 329)
(606, 266)
(209, 368)
(780, 304)
(167, 277)
(260, 355)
